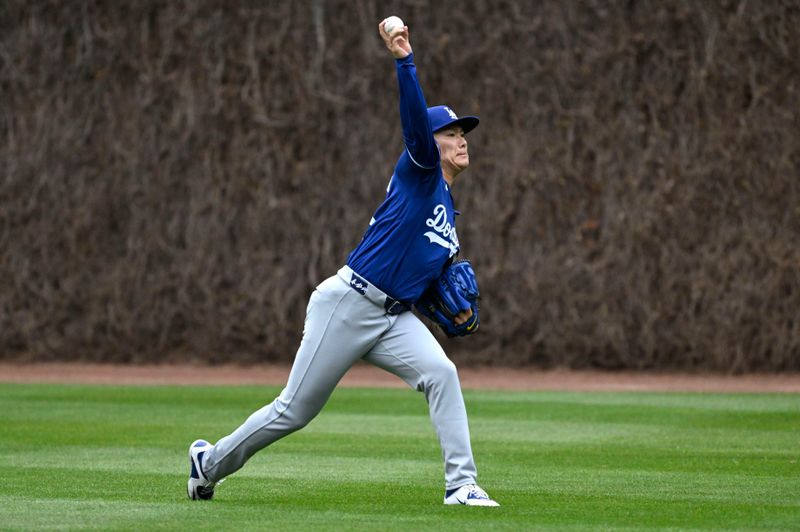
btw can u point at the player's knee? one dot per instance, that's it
(298, 414)
(443, 372)
(299, 423)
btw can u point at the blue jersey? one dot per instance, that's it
(412, 235)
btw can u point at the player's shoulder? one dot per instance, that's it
(411, 175)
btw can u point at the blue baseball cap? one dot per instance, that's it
(442, 116)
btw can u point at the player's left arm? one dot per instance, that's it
(452, 300)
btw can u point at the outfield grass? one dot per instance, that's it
(115, 458)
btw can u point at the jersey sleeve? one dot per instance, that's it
(420, 145)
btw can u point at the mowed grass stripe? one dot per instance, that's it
(289, 460)
(110, 457)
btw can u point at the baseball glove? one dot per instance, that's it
(454, 292)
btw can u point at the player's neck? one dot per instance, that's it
(449, 173)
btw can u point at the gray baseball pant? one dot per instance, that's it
(341, 327)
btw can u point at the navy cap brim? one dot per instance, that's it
(467, 123)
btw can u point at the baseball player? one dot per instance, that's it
(362, 312)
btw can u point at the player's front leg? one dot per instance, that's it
(411, 352)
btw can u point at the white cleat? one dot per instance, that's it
(199, 486)
(469, 495)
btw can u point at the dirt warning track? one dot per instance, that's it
(486, 378)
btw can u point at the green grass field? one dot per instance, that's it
(115, 458)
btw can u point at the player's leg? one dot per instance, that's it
(410, 351)
(340, 327)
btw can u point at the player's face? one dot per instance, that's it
(453, 148)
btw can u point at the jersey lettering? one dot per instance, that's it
(443, 230)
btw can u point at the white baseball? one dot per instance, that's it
(391, 24)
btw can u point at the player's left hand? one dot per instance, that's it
(463, 317)
(452, 300)
(397, 42)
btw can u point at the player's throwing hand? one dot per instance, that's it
(397, 42)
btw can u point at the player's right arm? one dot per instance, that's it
(417, 133)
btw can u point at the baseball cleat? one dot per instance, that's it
(199, 486)
(469, 495)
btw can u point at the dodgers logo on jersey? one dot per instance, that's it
(442, 230)
(359, 285)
